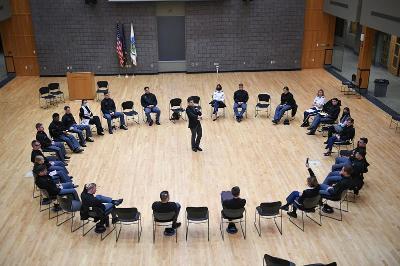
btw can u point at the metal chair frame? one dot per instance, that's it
(343, 197)
(137, 221)
(162, 223)
(102, 88)
(55, 90)
(306, 211)
(49, 99)
(175, 107)
(258, 109)
(234, 220)
(126, 110)
(91, 219)
(394, 120)
(72, 213)
(273, 216)
(199, 221)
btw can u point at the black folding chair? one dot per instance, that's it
(310, 205)
(175, 106)
(340, 144)
(275, 261)
(337, 198)
(128, 216)
(69, 206)
(197, 215)
(236, 216)
(95, 214)
(129, 112)
(263, 103)
(52, 202)
(268, 210)
(56, 91)
(44, 95)
(163, 219)
(102, 88)
(222, 106)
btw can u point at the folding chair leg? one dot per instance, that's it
(221, 229)
(187, 229)
(259, 223)
(208, 229)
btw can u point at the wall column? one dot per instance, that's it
(365, 57)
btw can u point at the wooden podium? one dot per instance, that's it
(81, 85)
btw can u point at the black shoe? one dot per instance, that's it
(89, 140)
(326, 142)
(311, 132)
(285, 207)
(46, 201)
(67, 157)
(158, 123)
(78, 150)
(327, 153)
(75, 186)
(65, 164)
(56, 208)
(82, 145)
(124, 127)
(305, 124)
(309, 128)
(176, 225)
(292, 214)
(151, 123)
(114, 220)
(100, 229)
(194, 149)
(275, 122)
(100, 133)
(110, 131)
(199, 149)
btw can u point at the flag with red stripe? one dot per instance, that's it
(120, 47)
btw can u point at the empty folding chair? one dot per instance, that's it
(46, 97)
(69, 206)
(310, 205)
(102, 88)
(268, 210)
(56, 91)
(197, 215)
(237, 216)
(163, 219)
(176, 110)
(263, 103)
(128, 216)
(129, 112)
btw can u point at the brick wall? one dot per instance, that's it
(235, 34)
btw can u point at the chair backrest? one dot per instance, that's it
(164, 216)
(44, 193)
(196, 99)
(343, 194)
(311, 203)
(54, 86)
(264, 97)
(233, 213)
(102, 84)
(322, 264)
(127, 105)
(175, 102)
(353, 77)
(270, 208)
(65, 203)
(44, 90)
(196, 213)
(126, 214)
(274, 261)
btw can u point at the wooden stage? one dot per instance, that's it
(266, 161)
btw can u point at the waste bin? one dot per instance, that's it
(380, 87)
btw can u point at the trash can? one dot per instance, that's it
(380, 87)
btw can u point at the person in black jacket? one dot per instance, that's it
(287, 103)
(358, 162)
(102, 205)
(87, 117)
(337, 128)
(345, 135)
(69, 123)
(194, 117)
(109, 112)
(165, 206)
(345, 182)
(361, 146)
(240, 97)
(59, 133)
(231, 200)
(296, 198)
(330, 112)
(149, 103)
(49, 145)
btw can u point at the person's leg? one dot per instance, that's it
(331, 142)
(62, 147)
(332, 179)
(323, 189)
(109, 124)
(96, 121)
(235, 109)
(121, 118)
(216, 106)
(243, 107)
(55, 162)
(277, 112)
(178, 209)
(86, 128)
(78, 131)
(315, 123)
(193, 138)
(282, 111)
(199, 133)
(292, 197)
(338, 167)
(74, 142)
(67, 140)
(104, 199)
(156, 110)
(305, 118)
(60, 168)
(57, 150)
(147, 112)
(64, 178)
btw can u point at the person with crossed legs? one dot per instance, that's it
(49, 145)
(109, 112)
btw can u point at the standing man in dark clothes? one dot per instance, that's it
(194, 117)
(149, 103)
(69, 123)
(109, 112)
(296, 198)
(59, 133)
(165, 206)
(231, 200)
(330, 112)
(287, 103)
(49, 145)
(240, 97)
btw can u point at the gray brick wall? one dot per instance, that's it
(237, 35)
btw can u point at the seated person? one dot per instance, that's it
(287, 103)
(69, 123)
(296, 198)
(36, 150)
(165, 206)
(109, 112)
(361, 146)
(44, 181)
(149, 103)
(345, 183)
(218, 101)
(318, 103)
(87, 117)
(56, 172)
(337, 128)
(346, 134)
(231, 200)
(358, 162)
(49, 145)
(329, 114)
(105, 204)
(240, 97)
(59, 133)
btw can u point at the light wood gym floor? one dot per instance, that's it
(266, 161)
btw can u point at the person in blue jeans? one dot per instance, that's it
(296, 198)
(330, 112)
(69, 123)
(343, 182)
(59, 133)
(149, 104)
(240, 97)
(48, 145)
(109, 112)
(287, 103)
(56, 172)
(346, 134)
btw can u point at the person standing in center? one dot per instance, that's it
(149, 103)
(194, 117)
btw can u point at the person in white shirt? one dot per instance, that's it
(318, 103)
(218, 101)
(87, 117)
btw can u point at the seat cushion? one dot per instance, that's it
(130, 113)
(262, 105)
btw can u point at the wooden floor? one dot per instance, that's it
(266, 161)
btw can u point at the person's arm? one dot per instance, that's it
(155, 100)
(246, 96)
(222, 97)
(113, 107)
(143, 101)
(191, 114)
(103, 107)
(235, 97)
(310, 171)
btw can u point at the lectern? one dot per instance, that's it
(81, 85)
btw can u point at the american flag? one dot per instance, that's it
(120, 47)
